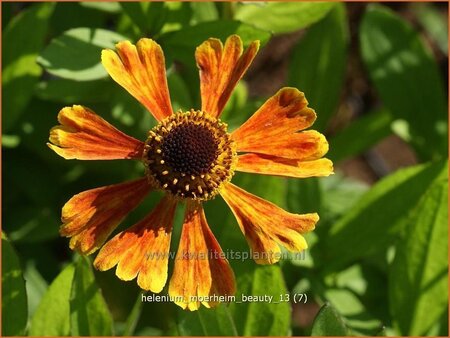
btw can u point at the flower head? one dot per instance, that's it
(192, 157)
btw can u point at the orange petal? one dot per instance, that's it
(84, 135)
(143, 249)
(141, 71)
(277, 166)
(90, 217)
(283, 114)
(221, 67)
(201, 273)
(264, 224)
(302, 146)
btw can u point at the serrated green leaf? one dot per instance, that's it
(318, 69)
(89, 314)
(349, 142)
(407, 78)
(328, 322)
(52, 317)
(22, 41)
(418, 279)
(282, 17)
(75, 54)
(14, 297)
(377, 220)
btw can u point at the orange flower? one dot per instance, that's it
(192, 158)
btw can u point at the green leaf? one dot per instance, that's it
(14, 297)
(264, 318)
(133, 318)
(304, 196)
(149, 17)
(328, 322)
(179, 92)
(32, 223)
(418, 278)
(407, 78)
(69, 91)
(22, 41)
(358, 319)
(318, 69)
(339, 195)
(75, 54)
(69, 15)
(36, 287)
(377, 220)
(89, 314)
(435, 23)
(53, 313)
(108, 7)
(204, 11)
(178, 16)
(375, 126)
(282, 17)
(206, 322)
(237, 103)
(191, 37)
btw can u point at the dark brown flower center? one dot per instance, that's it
(190, 155)
(190, 149)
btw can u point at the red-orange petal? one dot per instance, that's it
(265, 225)
(201, 273)
(84, 135)
(143, 249)
(283, 114)
(141, 71)
(302, 146)
(90, 217)
(221, 67)
(278, 166)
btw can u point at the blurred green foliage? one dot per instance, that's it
(377, 262)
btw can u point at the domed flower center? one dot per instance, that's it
(190, 148)
(190, 155)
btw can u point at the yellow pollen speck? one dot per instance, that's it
(186, 187)
(165, 172)
(175, 180)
